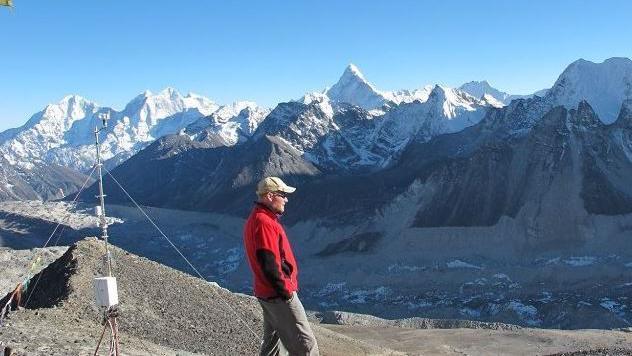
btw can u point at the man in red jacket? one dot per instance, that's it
(275, 273)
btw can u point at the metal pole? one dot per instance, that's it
(102, 221)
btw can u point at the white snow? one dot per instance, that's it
(461, 264)
(580, 261)
(362, 296)
(547, 297)
(481, 89)
(502, 276)
(418, 305)
(603, 85)
(492, 101)
(398, 268)
(352, 88)
(470, 313)
(553, 261)
(331, 288)
(408, 96)
(614, 307)
(62, 133)
(229, 125)
(527, 313)
(231, 262)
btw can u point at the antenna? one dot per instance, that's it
(104, 116)
(105, 288)
(100, 210)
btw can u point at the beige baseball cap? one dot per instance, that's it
(273, 184)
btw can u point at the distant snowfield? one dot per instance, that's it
(581, 261)
(57, 212)
(461, 264)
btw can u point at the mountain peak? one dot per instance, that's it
(584, 116)
(169, 92)
(477, 83)
(354, 89)
(72, 106)
(353, 71)
(604, 85)
(479, 89)
(72, 98)
(438, 92)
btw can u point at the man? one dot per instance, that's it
(275, 273)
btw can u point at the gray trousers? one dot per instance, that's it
(285, 322)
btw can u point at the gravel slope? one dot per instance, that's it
(163, 310)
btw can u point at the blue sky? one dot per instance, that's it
(271, 51)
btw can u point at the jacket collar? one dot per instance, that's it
(265, 209)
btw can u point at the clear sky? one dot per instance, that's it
(270, 51)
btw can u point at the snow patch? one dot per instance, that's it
(231, 262)
(363, 296)
(461, 264)
(331, 288)
(502, 276)
(528, 313)
(580, 261)
(418, 305)
(613, 307)
(397, 268)
(471, 313)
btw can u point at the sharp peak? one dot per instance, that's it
(438, 88)
(353, 70)
(352, 67)
(584, 115)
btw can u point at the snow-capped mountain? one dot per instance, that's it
(227, 126)
(408, 96)
(341, 136)
(479, 89)
(482, 89)
(353, 127)
(446, 110)
(353, 88)
(603, 85)
(45, 130)
(62, 133)
(60, 138)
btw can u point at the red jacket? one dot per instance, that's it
(269, 255)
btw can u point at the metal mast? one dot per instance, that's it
(106, 290)
(101, 208)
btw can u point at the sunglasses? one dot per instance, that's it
(280, 194)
